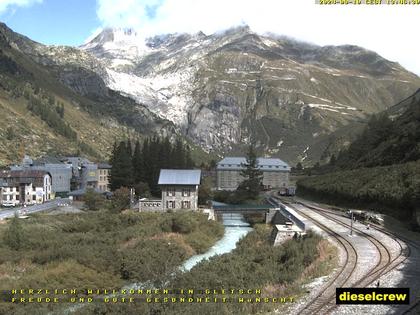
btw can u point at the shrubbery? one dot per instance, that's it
(389, 189)
(100, 249)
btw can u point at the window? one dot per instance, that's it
(186, 192)
(186, 204)
(170, 192)
(33, 197)
(170, 204)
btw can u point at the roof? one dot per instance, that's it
(16, 177)
(23, 174)
(179, 177)
(265, 164)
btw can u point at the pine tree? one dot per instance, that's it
(189, 163)
(252, 183)
(178, 155)
(138, 163)
(122, 168)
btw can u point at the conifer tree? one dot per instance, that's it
(122, 168)
(252, 183)
(138, 163)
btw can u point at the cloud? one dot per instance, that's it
(10, 4)
(389, 30)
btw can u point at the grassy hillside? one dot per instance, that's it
(380, 168)
(40, 116)
(386, 141)
(393, 189)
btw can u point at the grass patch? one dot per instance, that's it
(99, 250)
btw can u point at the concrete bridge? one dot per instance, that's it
(223, 208)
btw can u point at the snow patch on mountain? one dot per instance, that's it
(166, 95)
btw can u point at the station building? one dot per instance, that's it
(275, 172)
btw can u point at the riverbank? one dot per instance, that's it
(255, 277)
(98, 250)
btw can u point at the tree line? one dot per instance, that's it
(53, 116)
(138, 165)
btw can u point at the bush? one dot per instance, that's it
(93, 200)
(14, 234)
(120, 199)
(183, 222)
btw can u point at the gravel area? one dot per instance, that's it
(406, 274)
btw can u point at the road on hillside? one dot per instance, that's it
(8, 213)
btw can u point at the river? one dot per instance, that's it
(235, 228)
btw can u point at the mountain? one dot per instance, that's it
(391, 137)
(51, 106)
(380, 169)
(218, 90)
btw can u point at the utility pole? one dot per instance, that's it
(351, 223)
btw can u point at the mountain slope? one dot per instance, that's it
(381, 167)
(385, 141)
(222, 88)
(41, 115)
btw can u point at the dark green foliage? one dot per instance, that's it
(53, 119)
(143, 165)
(7, 64)
(93, 200)
(13, 236)
(385, 142)
(120, 200)
(142, 190)
(151, 260)
(391, 189)
(251, 186)
(184, 223)
(204, 191)
(122, 167)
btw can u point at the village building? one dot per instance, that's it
(275, 172)
(89, 175)
(61, 172)
(179, 191)
(103, 173)
(25, 187)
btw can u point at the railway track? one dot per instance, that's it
(325, 301)
(341, 278)
(405, 249)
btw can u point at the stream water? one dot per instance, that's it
(235, 228)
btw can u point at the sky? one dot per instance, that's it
(390, 30)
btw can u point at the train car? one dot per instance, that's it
(287, 191)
